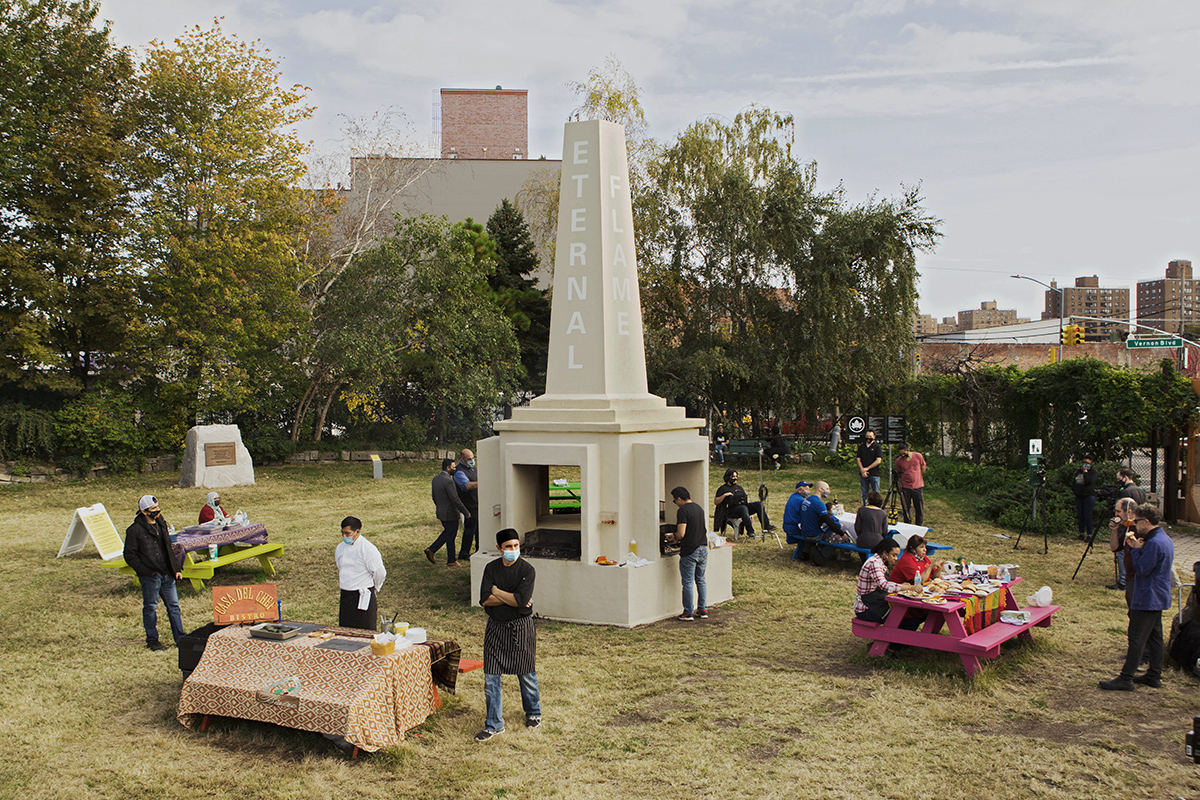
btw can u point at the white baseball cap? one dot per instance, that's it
(147, 501)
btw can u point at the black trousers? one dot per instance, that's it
(349, 615)
(1145, 633)
(470, 534)
(449, 534)
(913, 500)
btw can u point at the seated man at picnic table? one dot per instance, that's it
(731, 501)
(791, 512)
(817, 522)
(212, 509)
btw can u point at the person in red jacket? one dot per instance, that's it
(212, 509)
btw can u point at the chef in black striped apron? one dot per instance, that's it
(509, 643)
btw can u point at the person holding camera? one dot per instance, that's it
(910, 471)
(1084, 488)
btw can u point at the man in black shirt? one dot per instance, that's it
(869, 456)
(148, 550)
(732, 502)
(691, 530)
(509, 642)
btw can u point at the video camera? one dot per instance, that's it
(1037, 472)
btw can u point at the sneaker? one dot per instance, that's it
(1146, 680)
(429, 555)
(702, 613)
(156, 645)
(533, 722)
(770, 529)
(685, 617)
(1117, 685)
(486, 734)
(1116, 587)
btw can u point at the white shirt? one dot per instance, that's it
(359, 566)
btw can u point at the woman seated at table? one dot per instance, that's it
(870, 522)
(212, 509)
(915, 562)
(873, 587)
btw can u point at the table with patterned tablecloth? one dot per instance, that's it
(194, 539)
(369, 700)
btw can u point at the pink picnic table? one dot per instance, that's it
(970, 647)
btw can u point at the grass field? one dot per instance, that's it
(771, 697)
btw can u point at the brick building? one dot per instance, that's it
(987, 316)
(1170, 303)
(485, 123)
(1087, 298)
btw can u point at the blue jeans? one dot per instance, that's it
(868, 484)
(1119, 557)
(153, 587)
(720, 451)
(691, 568)
(530, 699)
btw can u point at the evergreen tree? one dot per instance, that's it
(515, 290)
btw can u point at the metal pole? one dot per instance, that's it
(1061, 303)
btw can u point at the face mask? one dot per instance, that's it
(348, 539)
(512, 555)
(471, 463)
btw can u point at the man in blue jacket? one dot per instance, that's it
(1152, 553)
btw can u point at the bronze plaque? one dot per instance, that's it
(220, 454)
(245, 604)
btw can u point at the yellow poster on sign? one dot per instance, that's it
(93, 522)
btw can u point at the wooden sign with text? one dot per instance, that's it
(220, 454)
(245, 604)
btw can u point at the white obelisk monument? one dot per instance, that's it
(630, 448)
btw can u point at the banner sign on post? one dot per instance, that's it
(257, 603)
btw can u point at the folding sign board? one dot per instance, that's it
(92, 521)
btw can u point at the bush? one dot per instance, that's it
(100, 427)
(26, 432)
(267, 442)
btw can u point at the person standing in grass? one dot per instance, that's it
(1084, 488)
(360, 577)
(510, 641)
(1151, 554)
(910, 467)
(148, 551)
(447, 505)
(692, 533)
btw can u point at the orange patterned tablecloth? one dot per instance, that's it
(368, 699)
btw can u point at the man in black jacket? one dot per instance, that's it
(148, 551)
(447, 506)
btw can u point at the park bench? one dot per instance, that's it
(565, 496)
(824, 552)
(745, 448)
(199, 571)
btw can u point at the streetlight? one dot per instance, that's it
(1060, 308)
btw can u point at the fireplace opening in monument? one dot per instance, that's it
(564, 545)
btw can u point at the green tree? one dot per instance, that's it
(515, 290)
(761, 293)
(66, 287)
(221, 221)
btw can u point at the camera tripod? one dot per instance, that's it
(1034, 515)
(889, 502)
(1092, 538)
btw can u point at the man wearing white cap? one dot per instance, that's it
(148, 551)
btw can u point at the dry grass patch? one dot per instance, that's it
(771, 697)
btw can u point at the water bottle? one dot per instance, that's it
(1004, 576)
(917, 580)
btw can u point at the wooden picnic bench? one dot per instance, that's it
(984, 643)
(824, 552)
(199, 571)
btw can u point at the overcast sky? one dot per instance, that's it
(1055, 138)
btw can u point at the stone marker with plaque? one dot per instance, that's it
(214, 457)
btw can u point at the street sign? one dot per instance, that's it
(1035, 447)
(1153, 341)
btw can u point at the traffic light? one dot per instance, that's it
(1071, 335)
